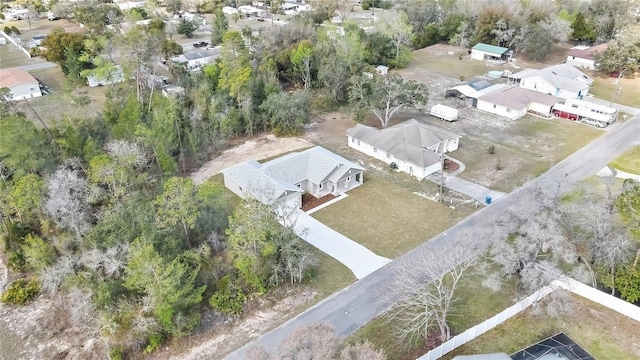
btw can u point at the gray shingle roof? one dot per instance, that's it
(406, 141)
(515, 97)
(278, 177)
(563, 76)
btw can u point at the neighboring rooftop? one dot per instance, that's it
(557, 347)
(515, 97)
(13, 77)
(563, 76)
(588, 53)
(498, 50)
(407, 141)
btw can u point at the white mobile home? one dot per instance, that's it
(584, 57)
(489, 52)
(513, 102)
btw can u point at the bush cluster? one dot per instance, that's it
(21, 292)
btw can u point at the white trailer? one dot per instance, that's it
(444, 112)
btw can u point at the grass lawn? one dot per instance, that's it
(386, 218)
(523, 150)
(62, 103)
(602, 332)
(10, 56)
(553, 139)
(629, 161)
(605, 87)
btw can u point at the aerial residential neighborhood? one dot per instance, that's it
(320, 179)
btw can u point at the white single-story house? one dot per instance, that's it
(228, 10)
(482, 51)
(249, 10)
(562, 80)
(116, 76)
(411, 146)
(20, 83)
(585, 111)
(196, 59)
(584, 56)
(282, 181)
(514, 102)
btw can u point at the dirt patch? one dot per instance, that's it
(234, 334)
(257, 148)
(40, 330)
(309, 201)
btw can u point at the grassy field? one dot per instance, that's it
(64, 102)
(602, 332)
(605, 88)
(386, 218)
(629, 161)
(524, 149)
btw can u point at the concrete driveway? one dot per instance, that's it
(360, 260)
(473, 190)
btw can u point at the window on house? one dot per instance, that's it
(494, 106)
(388, 156)
(508, 110)
(353, 140)
(358, 142)
(375, 150)
(32, 89)
(574, 106)
(348, 179)
(320, 186)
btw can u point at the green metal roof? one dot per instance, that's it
(490, 48)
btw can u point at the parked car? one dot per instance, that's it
(200, 44)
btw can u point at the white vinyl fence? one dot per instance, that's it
(486, 325)
(568, 284)
(13, 41)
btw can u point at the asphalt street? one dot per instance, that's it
(356, 305)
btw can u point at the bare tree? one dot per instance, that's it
(66, 201)
(502, 32)
(343, 8)
(425, 292)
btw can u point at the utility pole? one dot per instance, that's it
(440, 198)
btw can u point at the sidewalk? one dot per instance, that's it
(360, 260)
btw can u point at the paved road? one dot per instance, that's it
(359, 303)
(36, 66)
(360, 260)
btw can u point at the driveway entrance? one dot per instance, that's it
(360, 260)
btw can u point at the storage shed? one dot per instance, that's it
(490, 52)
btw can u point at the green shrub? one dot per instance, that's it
(15, 30)
(229, 298)
(491, 150)
(117, 353)
(21, 292)
(155, 341)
